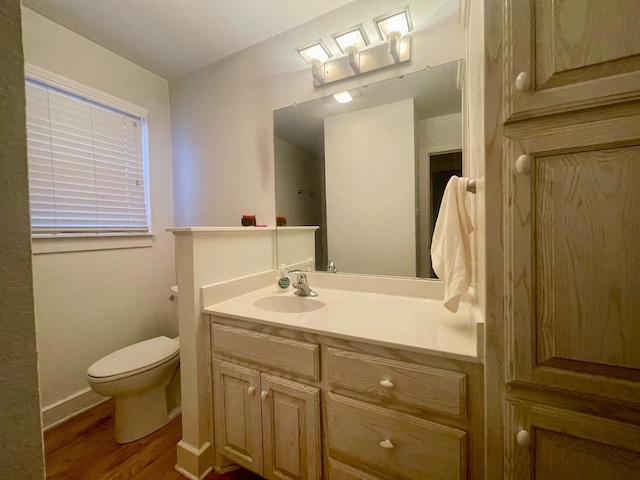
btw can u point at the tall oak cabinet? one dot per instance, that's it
(570, 211)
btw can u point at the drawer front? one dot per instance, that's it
(340, 471)
(293, 356)
(425, 387)
(392, 444)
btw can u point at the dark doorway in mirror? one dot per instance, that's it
(442, 167)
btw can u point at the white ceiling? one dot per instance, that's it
(174, 37)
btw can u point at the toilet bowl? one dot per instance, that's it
(144, 379)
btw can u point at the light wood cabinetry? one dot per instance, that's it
(364, 412)
(238, 414)
(575, 224)
(559, 444)
(565, 54)
(393, 444)
(571, 199)
(266, 423)
(394, 419)
(418, 385)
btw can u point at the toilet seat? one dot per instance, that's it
(134, 359)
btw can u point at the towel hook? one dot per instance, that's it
(471, 186)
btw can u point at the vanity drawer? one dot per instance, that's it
(340, 471)
(392, 444)
(287, 355)
(417, 385)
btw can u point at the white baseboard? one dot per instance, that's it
(69, 407)
(193, 463)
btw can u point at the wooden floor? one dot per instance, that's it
(84, 449)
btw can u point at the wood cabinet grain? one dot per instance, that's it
(576, 54)
(570, 202)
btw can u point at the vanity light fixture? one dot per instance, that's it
(360, 57)
(315, 54)
(351, 41)
(391, 27)
(343, 97)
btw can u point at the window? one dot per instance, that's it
(87, 161)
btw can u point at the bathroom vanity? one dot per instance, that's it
(348, 385)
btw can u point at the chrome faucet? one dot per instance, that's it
(302, 285)
(331, 268)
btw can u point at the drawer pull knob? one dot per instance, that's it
(523, 164)
(386, 444)
(264, 395)
(522, 438)
(523, 80)
(386, 383)
(251, 390)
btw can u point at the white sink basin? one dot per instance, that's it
(288, 304)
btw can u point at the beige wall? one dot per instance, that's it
(371, 211)
(298, 171)
(21, 455)
(91, 303)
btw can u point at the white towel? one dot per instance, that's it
(451, 245)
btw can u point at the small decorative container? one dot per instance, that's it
(248, 220)
(281, 221)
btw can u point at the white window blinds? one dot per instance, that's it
(87, 169)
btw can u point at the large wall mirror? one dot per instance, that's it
(370, 173)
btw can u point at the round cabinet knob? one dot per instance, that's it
(386, 444)
(251, 390)
(386, 383)
(523, 80)
(523, 164)
(264, 395)
(522, 438)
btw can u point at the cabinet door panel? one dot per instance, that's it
(291, 429)
(587, 228)
(237, 417)
(573, 300)
(578, 53)
(566, 445)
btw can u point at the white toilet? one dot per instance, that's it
(144, 378)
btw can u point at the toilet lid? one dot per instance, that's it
(135, 357)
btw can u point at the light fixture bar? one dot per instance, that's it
(353, 59)
(317, 71)
(394, 38)
(393, 28)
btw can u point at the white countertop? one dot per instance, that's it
(410, 323)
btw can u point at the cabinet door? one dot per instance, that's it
(291, 429)
(545, 443)
(574, 259)
(237, 417)
(576, 54)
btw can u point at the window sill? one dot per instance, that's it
(59, 243)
